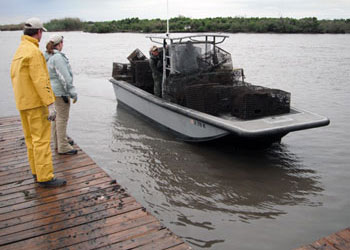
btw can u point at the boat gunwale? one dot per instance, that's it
(223, 123)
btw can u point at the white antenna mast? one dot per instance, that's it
(167, 17)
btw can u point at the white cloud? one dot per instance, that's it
(16, 11)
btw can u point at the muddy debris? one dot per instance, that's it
(28, 195)
(116, 188)
(120, 205)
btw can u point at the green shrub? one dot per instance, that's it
(66, 24)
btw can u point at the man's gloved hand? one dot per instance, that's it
(52, 112)
(75, 99)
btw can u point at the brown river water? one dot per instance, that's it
(216, 196)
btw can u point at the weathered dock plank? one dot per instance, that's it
(92, 211)
(336, 241)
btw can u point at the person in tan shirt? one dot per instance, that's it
(61, 77)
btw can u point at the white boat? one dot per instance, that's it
(194, 125)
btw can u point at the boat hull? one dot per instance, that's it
(193, 125)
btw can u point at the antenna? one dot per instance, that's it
(167, 18)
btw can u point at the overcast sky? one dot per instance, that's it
(16, 11)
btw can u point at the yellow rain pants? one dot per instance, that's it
(37, 133)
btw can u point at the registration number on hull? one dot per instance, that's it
(197, 123)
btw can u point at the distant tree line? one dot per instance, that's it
(65, 24)
(185, 24)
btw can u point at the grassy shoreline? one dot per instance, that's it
(184, 24)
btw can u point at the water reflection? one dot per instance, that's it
(192, 185)
(215, 177)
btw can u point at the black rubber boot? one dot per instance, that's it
(71, 152)
(55, 182)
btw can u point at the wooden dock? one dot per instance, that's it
(336, 241)
(92, 211)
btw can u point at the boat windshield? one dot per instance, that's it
(197, 53)
(192, 57)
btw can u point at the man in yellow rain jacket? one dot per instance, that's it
(34, 100)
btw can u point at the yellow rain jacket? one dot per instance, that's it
(30, 78)
(33, 93)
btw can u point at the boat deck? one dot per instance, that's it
(336, 241)
(92, 211)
